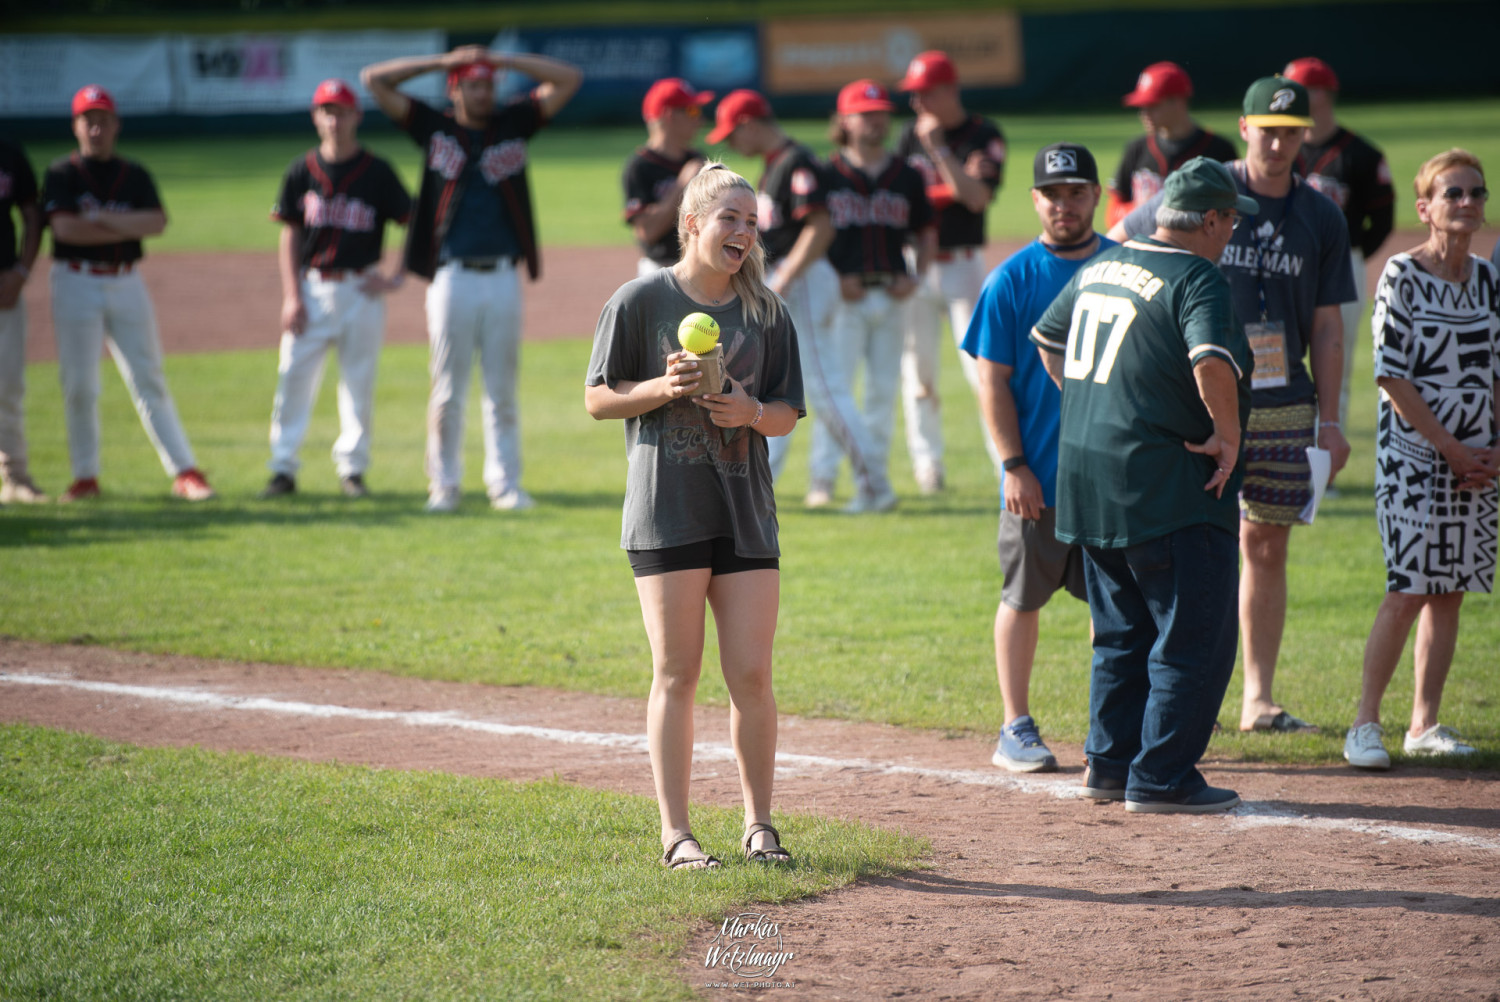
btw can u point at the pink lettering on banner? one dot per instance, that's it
(446, 156)
(262, 61)
(884, 208)
(503, 160)
(339, 213)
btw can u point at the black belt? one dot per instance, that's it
(480, 263)
(877, 279)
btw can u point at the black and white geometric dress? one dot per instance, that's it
(1444, 338)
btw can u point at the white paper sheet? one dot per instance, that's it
(1321, 463)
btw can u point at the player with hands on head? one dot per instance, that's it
(100, 207)
(878, 205)
(334, 203)
(473, 223)
(1021, 408)
(18, 192)
(699, 521)
(961, 157)
(656, 174)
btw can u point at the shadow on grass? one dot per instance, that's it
(1222, 897)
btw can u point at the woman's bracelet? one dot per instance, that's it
(1331, 424)
(760, 411)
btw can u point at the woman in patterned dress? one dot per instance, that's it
(1437, 360)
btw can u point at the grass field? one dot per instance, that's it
(219, 191)
(164, 874)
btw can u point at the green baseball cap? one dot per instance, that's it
(1202, 184)
(1277, 101)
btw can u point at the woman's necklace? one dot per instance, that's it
(698, 292)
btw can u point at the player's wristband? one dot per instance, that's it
(1013, 463)
(760, 412)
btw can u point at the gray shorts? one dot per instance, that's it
(1035, 564)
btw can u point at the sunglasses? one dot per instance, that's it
(1233, 216)
(1456, 194)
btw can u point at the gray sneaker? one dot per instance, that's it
(1020, 748)
(1363, 748)
(443, 499)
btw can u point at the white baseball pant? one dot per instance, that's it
(951, 288)
(811, 299)
(342, 317)
(89, 312)
(13, 392)
(1355, 333)
(467, 311)
(871, 331)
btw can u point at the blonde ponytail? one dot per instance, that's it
(760, 304)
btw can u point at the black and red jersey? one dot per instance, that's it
(17, 187)
(77, 185)
(647, 178)
(1353, 173)
(341, 208)
(874, 217)
(1148, 160)
(501, 154)
(790, 189)
(977, 139)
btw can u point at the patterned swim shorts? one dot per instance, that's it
(1278, 481)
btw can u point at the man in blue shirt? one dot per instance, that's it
(1021, 407)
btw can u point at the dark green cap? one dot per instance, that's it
(1202, 184)
(1277, 101)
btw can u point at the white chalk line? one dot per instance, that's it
(1249, 813)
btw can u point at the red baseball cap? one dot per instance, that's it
(1311, 71)
(1158, 82)
(479, 70)
(737, 108)
(334, 91)
(92, 98)
(864, 95)
(929, 69)
(672, 92)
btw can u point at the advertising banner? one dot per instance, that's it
(813, 55)
(40, 73)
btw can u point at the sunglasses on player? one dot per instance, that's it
(1456, 194)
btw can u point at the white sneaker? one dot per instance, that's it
(1363, 748)
(1436, 740)
(864, 502)
(819, 496)
(442, 499)
(22, 491)
(931, 481)
(514, 499)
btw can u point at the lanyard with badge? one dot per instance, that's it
(1268, 337)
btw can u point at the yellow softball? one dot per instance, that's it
(698, 333)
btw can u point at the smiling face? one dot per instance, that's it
(1461, 214)
(722, 237)
(1066, 211)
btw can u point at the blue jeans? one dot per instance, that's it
(1165, 630)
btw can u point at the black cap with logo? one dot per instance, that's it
(1064, 163)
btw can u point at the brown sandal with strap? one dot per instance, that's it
(688, 861)
(776, 854)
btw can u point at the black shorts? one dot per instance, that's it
(716, 554)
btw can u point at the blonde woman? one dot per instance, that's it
(700, 514)
(1437, 360)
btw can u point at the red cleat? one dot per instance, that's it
(191, 486)
(86, 487)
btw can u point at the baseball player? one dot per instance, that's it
(877, 204)
(335, 201)
(100, 206)
(796, 233)
(1021, 406)
(656, 173)
(961, 157)
(18, 192)
(1352, 172)
(473, 223)
(1172, 138)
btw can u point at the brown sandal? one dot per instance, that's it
(688, 861)
(773, 855)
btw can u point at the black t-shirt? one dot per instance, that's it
(341, 207)
(977, 138)
(17, 187)
(873, 217)
(77, 185)
(647, 178)
(1354, 174)
(1148, 160)
(792, 186)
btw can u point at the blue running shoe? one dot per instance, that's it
(1020, 748)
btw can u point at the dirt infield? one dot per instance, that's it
(227, 301)
(1326, 884)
